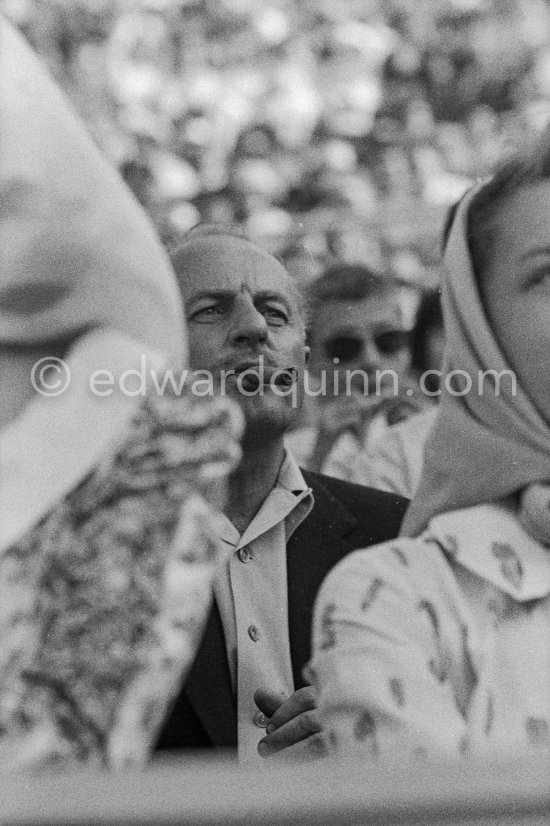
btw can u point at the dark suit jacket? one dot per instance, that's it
(345, 517)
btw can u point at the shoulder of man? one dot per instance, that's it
(377, 512)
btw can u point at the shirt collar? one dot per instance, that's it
(56, 441)
(288, 493)
(290, 476)
(490, 541)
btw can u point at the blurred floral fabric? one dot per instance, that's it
(330, 130)
(104, 601)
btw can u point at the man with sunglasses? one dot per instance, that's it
(283, 529)
(360, 359)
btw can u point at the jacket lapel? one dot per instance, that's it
(314, 548)
(208, 686)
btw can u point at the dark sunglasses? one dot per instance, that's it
(348, 348)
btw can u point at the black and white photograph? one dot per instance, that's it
(274, 412)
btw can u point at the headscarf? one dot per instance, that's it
(77, 250)
(483, 446)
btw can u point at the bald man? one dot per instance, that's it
(283, 530)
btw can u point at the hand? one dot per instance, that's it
(294, 724)
(351, 413)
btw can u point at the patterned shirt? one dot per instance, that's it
(438, 646)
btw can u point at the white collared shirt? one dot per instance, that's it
(438, 646)
(251, 592)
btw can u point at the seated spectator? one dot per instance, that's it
(395, 462)
(283, 529)
(107, 551)
(360, 357)
(437, 644)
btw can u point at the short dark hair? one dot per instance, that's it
(349, 282)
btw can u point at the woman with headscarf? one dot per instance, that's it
(437, 644)
(106, 550)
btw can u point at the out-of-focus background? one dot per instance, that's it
(330, 130)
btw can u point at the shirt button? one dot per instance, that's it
(260, 720)
(244, 555)
(253, 633)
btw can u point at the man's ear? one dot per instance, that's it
(307, 353)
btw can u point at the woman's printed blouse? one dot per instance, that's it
(438, 646)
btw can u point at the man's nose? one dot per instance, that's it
(248, 325)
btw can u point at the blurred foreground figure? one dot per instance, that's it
(436, 645)
(105, 535)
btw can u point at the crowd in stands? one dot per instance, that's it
(329, 130)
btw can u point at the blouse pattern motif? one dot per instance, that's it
(438, 646)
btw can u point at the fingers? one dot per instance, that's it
(294, 720)
(268, 701)
(305, 727)
(355, 404)
(346, 414)
(301, 701)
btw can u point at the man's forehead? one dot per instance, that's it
(227, 263)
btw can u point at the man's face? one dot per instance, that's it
(365, 335)
(241, 310)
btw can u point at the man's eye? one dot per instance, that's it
(206, 312)
(275, 316)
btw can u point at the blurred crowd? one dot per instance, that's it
(331, 131)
